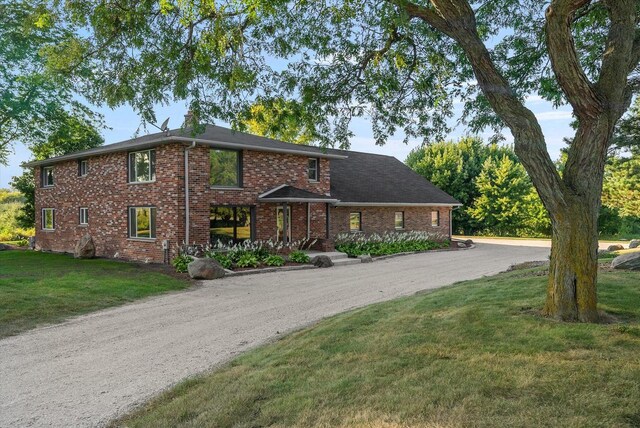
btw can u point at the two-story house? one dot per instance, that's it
(139, 199)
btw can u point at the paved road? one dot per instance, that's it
(96, 367)
(542, 243)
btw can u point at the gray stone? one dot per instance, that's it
(629, 261)
(85, 248)
(322, 261)
(461, 245)
(603, 252)
(205, 268)
(365, 258)
(615, 247)
(634, 243)
(3, 247)
(469, 242)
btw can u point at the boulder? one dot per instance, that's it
(634, 243)
(322, 261)
(615, 247)
(205, 268)
(629, 261)
(3, 247)
(365, 258)
(469, 242)
(461, 245)
(85, 248)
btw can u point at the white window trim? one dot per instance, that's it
(53, 219)
(44, 176)
(85, 209)
(317, 179)
(359, 229)
(437, 219)
(134, 165)
(394, 220)
(141, 238)
(86, 168)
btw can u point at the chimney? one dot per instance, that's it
(189, 120)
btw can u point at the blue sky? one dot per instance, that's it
(124, 123)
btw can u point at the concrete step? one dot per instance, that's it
(347, 261)
(333, 255)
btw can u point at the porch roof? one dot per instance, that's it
(287, 193)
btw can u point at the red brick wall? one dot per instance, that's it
(105, 191)
(382, 219)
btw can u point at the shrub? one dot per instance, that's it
(222, 258)
(389, 243)
(247, 259)
(274, 260)
(181, 261)
(298, 256)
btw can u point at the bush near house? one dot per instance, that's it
(389, 243)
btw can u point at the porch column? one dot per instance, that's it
(328, 221)
(285, 222)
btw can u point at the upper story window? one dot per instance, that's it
(399, 220)
(48, 219)
(226, 168)
(355, 222)
(84, 216)
(142, 222)
(83, 167)
(313, 171)
(142, 166)
(47, 176)
(435, 218)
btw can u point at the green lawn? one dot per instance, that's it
(38, 288)
(476, 354)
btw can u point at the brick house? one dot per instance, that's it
(142, 197)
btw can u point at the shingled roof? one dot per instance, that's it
(286, 193)
(371, 179)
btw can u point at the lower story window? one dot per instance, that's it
(142, 222)
(435, 218)
(84, 216)
(230, 223)
(355, 221)
(399, 221)
(48, 219)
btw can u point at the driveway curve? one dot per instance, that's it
(93, 368)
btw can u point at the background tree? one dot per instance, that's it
(400, 63)
(71, 135)
(34, 101)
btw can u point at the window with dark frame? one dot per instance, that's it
(226, 168)
(142, 222)
(313, 173)
(82, 167)
(47, 176)
(230, 223)
(142, 166)
(355, 222)
(399, 220)
(435, 218)
(48, 219)
(84, 216)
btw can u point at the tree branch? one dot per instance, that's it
(579, 91)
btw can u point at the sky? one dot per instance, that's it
(123, 123)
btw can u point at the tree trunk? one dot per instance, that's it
(573, 269)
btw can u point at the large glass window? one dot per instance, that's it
(230, 224)
(48, 219)
(47, 176)
(142, 166)
(355, 222)
(142, 222)
(399, 220)
(435, 218)
(226, 168)
(313, 169)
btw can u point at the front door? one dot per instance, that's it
(280, 223)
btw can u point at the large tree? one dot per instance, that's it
(401, 63)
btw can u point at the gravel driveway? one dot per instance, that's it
(93, 368)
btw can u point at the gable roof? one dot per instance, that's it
(287, 193)
(367, 179)
(212, 135)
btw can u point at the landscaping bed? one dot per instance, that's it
(37, 288)
(356, 244)
(476, 353)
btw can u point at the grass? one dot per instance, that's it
(614, 254)
(38, 288)
(475, 354)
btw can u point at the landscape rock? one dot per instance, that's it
(469, 242)
(615, 247)
(461, 245)
(322, 261)
(365, 258)
(205, 268)
(3, 247)
(85, 248)
(629, 261)
(635, 243)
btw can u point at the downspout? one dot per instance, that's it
(186, 192)
(451, 222)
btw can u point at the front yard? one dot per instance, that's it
(38, 288)
(473, 354)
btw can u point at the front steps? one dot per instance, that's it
(338, 258)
